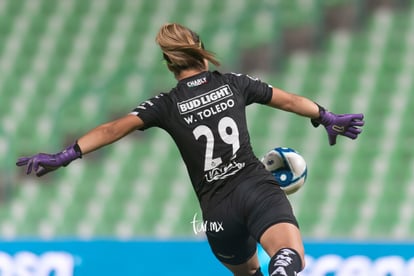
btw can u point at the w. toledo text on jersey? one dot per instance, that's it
(205, 99)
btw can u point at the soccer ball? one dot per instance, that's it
(288, 167)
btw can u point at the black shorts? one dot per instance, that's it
(235, 225)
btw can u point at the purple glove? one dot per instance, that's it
(343, 124)
(43, 163)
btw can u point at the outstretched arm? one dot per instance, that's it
(43, 163)
(347, 125)
(294, 103)
(108, 133)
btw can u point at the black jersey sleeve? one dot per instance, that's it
(153, 112)
(253, 89)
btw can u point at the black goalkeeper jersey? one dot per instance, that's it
(206, 116)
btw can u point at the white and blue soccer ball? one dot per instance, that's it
(288, 167)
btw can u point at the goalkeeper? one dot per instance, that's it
(205, 116)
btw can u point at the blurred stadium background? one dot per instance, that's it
(67, 66)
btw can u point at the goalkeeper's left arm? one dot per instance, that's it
(108, 133)
(43, 163)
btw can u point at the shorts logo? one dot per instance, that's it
(225, 256)
(205, 99)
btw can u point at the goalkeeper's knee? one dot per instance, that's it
(258, 272)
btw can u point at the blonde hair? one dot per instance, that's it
(182, 48)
